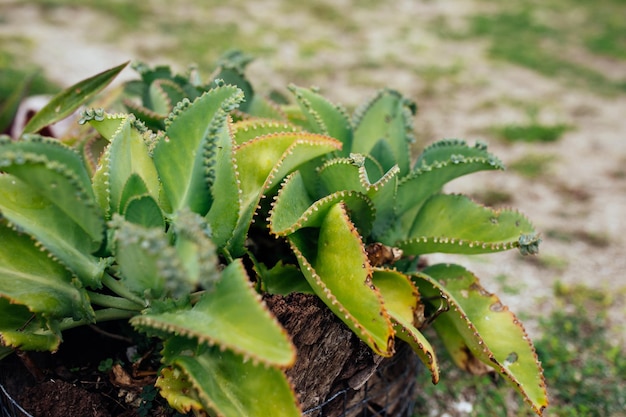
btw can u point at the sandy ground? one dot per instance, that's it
(579, 204)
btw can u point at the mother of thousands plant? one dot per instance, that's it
(170, 229)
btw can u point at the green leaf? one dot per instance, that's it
(126, 166)
(134, 187)
(234, 76)
(263, 162)
(231, 316)
(51, 226)
(437, 169)
(402, 300)
(491, 333)
(176, 388)
(453, 150)
(387, 119)
(228, 384)
(324, 117)
(264, 108)
(245, 130)
(293, 208)
(146, 259)
(196, 250)
(70, 99)
(185, 153)
(336, 266)
(343, 174)
(225, 191)
(282, 279)
(456, 224)
(144, 211)
(164, 94)
(151, 119)
(21, 329)
(31, 277)
(351, 174)
(58, 174)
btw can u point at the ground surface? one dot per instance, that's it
(475, 68)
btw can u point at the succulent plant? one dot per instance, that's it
(208, 195)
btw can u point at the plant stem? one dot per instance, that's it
(195, 297)
(106, 314)
(114, 302)
(115, 286)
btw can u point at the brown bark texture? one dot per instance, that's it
(336, 374)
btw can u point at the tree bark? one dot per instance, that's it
(335, 373)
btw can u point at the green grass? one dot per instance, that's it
(532, 165)
(531, 132)
(584, 365)
(545, 37)
(129, 14)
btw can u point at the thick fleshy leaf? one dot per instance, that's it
(441, 163)
(29, 276)
(164, 94)
(231, 316)
(144, 211)
(145, 258)
(175, 387)
(402, 300)
(150, 118)
(491, 333)
(225, 383)
(226, 192)
(383, 130)
(282, 279)
(456, 224)
(59, 175)
(245, 130)
(293, 209)
(263, 162)
(264, 108)
(324, 117)
(336, 266)
(343, 174)
(134, 187)
(453, 150)
(128, 169)
(51, 227)
(351, 174)
(70, 99)
(196, 251)
(20, 328)
(185, 154)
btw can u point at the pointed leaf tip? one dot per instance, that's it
(67, 101)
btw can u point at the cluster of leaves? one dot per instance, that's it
(583, 363)
(200, 177)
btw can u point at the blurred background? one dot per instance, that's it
(542, 82)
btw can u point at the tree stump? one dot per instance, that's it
(335, 373)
